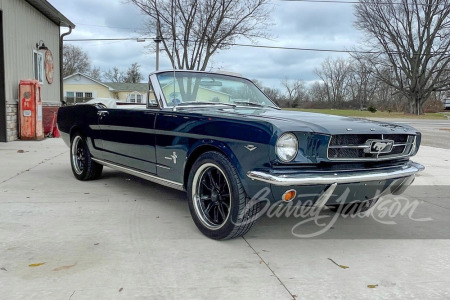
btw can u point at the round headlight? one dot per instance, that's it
(286, 147)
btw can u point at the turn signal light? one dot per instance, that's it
(289, 195)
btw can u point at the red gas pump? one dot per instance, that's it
(30, 110)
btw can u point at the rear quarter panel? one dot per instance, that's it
(82, 118)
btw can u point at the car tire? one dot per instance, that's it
(217, 200)
(83, 167)
(353, 208)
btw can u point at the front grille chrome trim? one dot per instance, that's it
(408, 148)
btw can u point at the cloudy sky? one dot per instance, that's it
(296, 24)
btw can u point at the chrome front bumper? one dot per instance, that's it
(317, 178)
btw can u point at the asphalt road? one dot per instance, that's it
(435, 133)
(120, 237)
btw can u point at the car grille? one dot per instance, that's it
(358, 146)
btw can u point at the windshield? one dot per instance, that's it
(185, 88)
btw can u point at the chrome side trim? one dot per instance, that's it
(205, 105)
(152, 178)
(409, 169)
(163, 167)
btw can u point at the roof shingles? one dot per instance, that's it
(127, 87)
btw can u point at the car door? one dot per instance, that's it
(128, 137)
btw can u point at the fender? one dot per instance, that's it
(242, 159)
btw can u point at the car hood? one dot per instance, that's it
(287, 120)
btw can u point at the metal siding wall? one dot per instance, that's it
(3, 131)
(23, 27)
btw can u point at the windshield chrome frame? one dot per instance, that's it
(162, 99)
(159, 95)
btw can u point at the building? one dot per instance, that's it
(80, 88)
(30, 47)
(129, 92)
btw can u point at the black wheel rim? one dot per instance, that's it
(212, 198)
(78, 155)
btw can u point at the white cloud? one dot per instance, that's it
(296, 24)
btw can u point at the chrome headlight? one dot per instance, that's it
(286, 147)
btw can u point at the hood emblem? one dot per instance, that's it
(250, 147)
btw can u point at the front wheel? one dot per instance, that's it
(217, 200)
(83, 167)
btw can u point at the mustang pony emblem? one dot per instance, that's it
(379, 146)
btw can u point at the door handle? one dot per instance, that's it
(102, 113)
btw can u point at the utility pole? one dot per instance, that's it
(157, 40)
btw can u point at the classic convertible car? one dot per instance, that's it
(222, 140)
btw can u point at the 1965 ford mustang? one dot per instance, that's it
(222, 140)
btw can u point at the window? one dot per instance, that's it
(70, 97)
(79, 97)
(38, 66)
(135, 97)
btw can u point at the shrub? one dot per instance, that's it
(372, 109)
(433, 106)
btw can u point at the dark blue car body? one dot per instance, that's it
(162, 143)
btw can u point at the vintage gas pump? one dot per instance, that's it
(30, 110)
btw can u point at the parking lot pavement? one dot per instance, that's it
(121, 237)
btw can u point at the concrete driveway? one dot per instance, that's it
(120, 237)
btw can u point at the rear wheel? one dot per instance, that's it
(83, 167)
(217, 200)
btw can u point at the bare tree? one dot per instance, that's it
(134, 75)
(412, 39)
(75, 60)
(295, 91)
(274, 94)
(362, 83)
(318, 92)
(96, 73)
(114, 75)
(193, 31)
(335, 74)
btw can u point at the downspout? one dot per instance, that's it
(61, 48)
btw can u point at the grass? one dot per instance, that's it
(378, 114)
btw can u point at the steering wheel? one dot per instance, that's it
(100, 105)
(176, 101)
